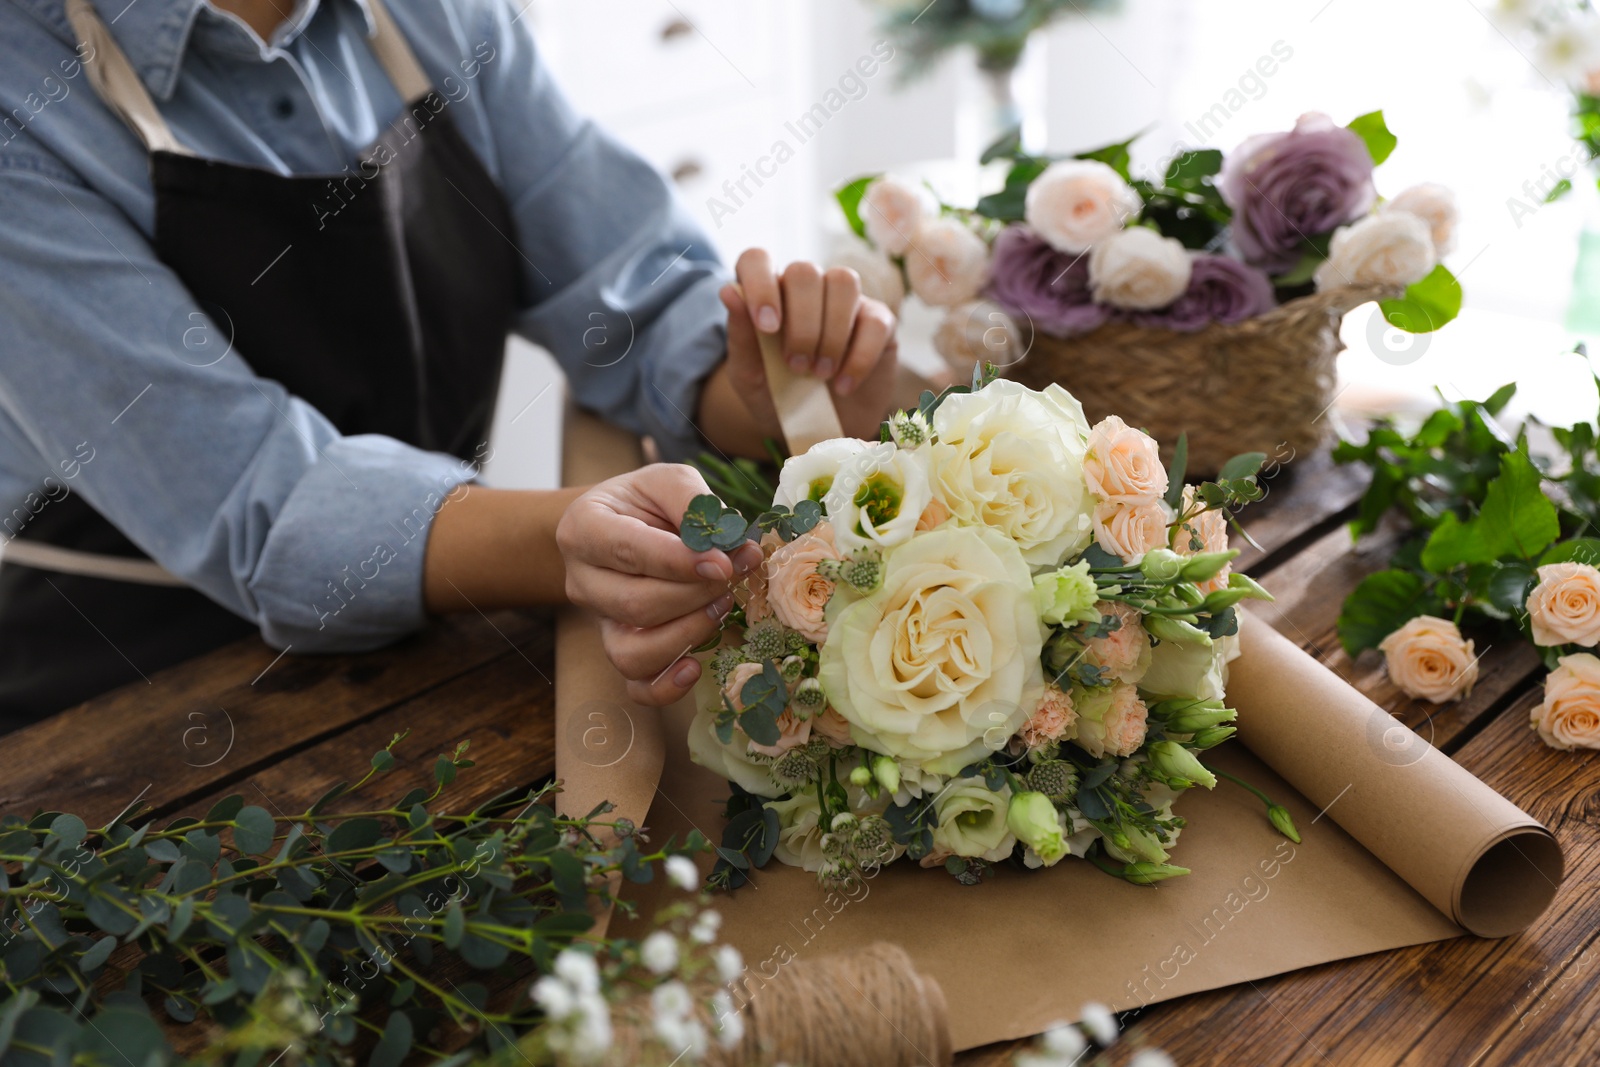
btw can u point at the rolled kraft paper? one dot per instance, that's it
(607, 747)
(865, 1008)
(1473, 854)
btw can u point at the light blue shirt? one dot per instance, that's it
(246, 492)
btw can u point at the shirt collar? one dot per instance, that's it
(156, 34)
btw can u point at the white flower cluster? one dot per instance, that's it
(571, 999)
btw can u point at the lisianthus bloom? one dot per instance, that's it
(1569, 715)
(1285, 187)
(1564, 608)
(878, 497)
(1111, 719)
(1067, 595)
(943, 656)
(810, 475)
(1428, 658)
(972, 821)
(1037, 824)
(1011, 459)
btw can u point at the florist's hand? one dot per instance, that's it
(827, 329)
(656, 598)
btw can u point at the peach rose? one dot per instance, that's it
(1124, 653)
(1570, 715)
(1211, 528)
(947, 263)
(793, 731)
(735, 683)
(832, 728)
(1050, 721)
(1130, 530)
(752, 592)
(1427, 658)
(1564, 608)
(1123, 465)
(796, 593)
(1111, 720)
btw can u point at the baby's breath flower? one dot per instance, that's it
(683, 873)
(729, 963)
(730, 1024)
(659, 952)
(1100, 1023)
(577, 968)
(706, 925)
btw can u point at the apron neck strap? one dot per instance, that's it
(119, 86)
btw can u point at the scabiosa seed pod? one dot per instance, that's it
(794, 767)
(791, 669)
(909, 429)
(808, 696)
(873, 841)
(765, 641)
(1054, 778)
(724, 661)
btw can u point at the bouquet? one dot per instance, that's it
(997, 30)
(1070, 244)
(998, 633)
(1500, 536)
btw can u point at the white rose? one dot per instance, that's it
(810, 475)
(972, 821)
(877, 497)
(1394, 249)
(941, 664)
(880, 277)
(894, 211)
(1138, 269)
(1010, 458)
(947, 263)
(980, 331)
(733, 761)
(1434, 204)
(1077, 203)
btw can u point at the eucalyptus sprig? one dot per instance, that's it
(310, 933)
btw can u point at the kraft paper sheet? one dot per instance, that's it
(1401, 846)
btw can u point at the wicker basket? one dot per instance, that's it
(1262, 385)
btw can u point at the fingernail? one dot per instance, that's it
(767, 320)
(719, 607)
(797, 363)
(824, 367)
(843, 384)
(708, 570)
(687, 673)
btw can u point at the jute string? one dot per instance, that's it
(866, 1008)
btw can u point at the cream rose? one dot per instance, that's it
(972, 821)
(1111, 720)
(1210, 529)
(1138, 269)
(1435, 205)
(1123, 465)
(810, 475)
(796, 593)
(1130, 530)
(732, 761)
(878, 498)
(980, 331)
(947, 263)
(1394, 249)
(894, 210)
(880, 277)
(1428, 658)
(941, 663)
(1564, 608)
(1011, 458)
(1569, 717)
(1077, 203)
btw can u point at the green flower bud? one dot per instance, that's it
(887, 772)
(1161, 565)
(1204, 566)
(1283, 821)
(1067, 596)
(1212, 736)
(1151, 873)
(1168, 628)
(1032, 817)
(1199, 716)
(1180, 768)
(1189, 594)
(860, 776)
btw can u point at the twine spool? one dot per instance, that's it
(1261, 385)
(867, 1008)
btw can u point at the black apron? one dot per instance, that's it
(386, 306)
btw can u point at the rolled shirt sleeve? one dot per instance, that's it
(622, 283)
(239, 488)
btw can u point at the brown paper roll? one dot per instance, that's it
(1473, 854)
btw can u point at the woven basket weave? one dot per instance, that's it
(1262, 385)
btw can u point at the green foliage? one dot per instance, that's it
(322, 934)
(924, 33)
(1374, 132)
(1427, 304)
(849, 197)
(742, 484)
(1515, 519)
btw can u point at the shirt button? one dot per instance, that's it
(284, 107)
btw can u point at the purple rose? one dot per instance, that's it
(1286, 187)
(1221, 289)
(1032, 280)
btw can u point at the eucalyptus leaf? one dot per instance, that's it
(254, 830)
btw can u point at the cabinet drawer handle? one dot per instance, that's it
(687, 171)
(675, 29)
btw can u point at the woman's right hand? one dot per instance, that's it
(657, 599)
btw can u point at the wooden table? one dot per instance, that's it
(281, 730)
